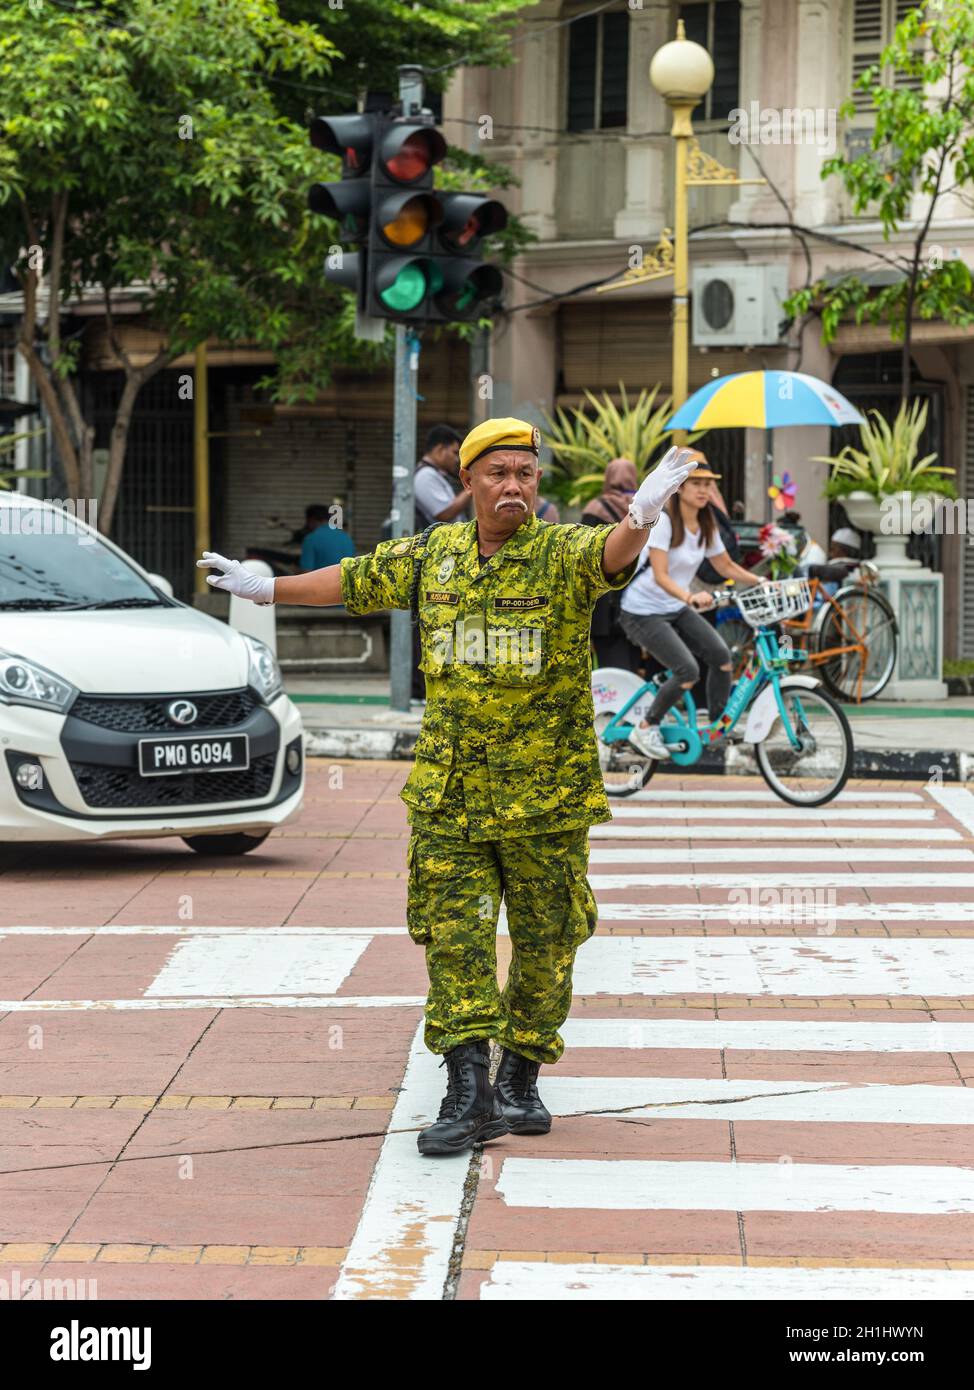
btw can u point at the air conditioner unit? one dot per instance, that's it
(737, 305)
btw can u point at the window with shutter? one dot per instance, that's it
(716, 25)
(598, 71)
(873, 25)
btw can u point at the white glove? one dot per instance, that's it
(669, 474)
(236, 579)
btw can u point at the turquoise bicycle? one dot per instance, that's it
(801, 738)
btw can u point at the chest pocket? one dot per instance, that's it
(439, 610)
(519, 629)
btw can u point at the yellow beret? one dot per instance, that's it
(499, 434)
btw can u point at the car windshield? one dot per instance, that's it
(48, 561)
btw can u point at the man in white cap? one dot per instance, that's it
(845, 544)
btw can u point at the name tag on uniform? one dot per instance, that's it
(521, 604)
(441, 596)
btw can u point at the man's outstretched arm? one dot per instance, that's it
(318, 588)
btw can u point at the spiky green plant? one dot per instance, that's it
(8, 443)
(584, 440)
(887, 461)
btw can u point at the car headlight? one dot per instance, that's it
(265, 674)
(23, 682)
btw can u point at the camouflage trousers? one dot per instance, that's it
(454, 896)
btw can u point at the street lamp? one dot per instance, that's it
(682, 72)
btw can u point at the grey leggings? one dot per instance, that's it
(676, 640)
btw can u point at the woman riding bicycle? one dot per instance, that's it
(660, 614)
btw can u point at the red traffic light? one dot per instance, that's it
(409, 151)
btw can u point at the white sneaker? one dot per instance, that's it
(649, 741)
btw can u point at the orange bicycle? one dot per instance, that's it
(850, 637)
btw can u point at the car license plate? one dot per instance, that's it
(159, 757)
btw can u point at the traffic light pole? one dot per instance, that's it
(403, 512)
(404, 451)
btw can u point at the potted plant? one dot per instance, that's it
(883, 486)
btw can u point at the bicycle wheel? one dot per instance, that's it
(739, 637)
(817, 770)
(869, 615)
(624, 769)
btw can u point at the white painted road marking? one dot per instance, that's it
(645, 1185)
(717, 1098)
(775, 813)
(785, 914)
(404, 1238)
(261, 962)
(618, 830)
(958, 801)
(536, 1280)
(226, 1001)
(768, 965)
(797, 854)
(796, 884)
(768, 1035)
(718, 794)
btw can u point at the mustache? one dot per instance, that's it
(508, 501)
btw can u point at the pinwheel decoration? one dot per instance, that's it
(783, 491)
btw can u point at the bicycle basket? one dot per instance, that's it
(785, 598)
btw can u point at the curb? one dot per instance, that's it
(920, 765)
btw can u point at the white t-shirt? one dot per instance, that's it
(644, 596)
(433, 492)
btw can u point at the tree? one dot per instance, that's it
(922, 144)
(160, 147)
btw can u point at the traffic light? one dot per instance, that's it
(418, 261)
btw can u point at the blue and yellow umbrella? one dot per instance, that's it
(764, 401)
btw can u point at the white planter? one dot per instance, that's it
(888, 519)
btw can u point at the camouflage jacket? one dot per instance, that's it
(507, 745)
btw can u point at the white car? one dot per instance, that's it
(123, 712)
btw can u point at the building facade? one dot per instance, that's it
(586, 134)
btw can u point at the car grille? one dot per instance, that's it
(146, 713)
(124, 787)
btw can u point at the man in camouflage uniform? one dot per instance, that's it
(506, 780)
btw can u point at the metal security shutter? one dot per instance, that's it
(608, 342)
(613, 340)
(967, 551)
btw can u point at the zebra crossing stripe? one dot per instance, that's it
(796, 912)
(744, 854)
(537, 1280)
(766, 1035)
(958, 801)
(647, 1185)
(717, 1098)
(718, 794)
(776, 813)
(666, 830)
(905, 878)
(770, 965)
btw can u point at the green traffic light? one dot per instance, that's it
(406, 291)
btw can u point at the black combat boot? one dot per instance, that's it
(517, 1091)
(470, 1113)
